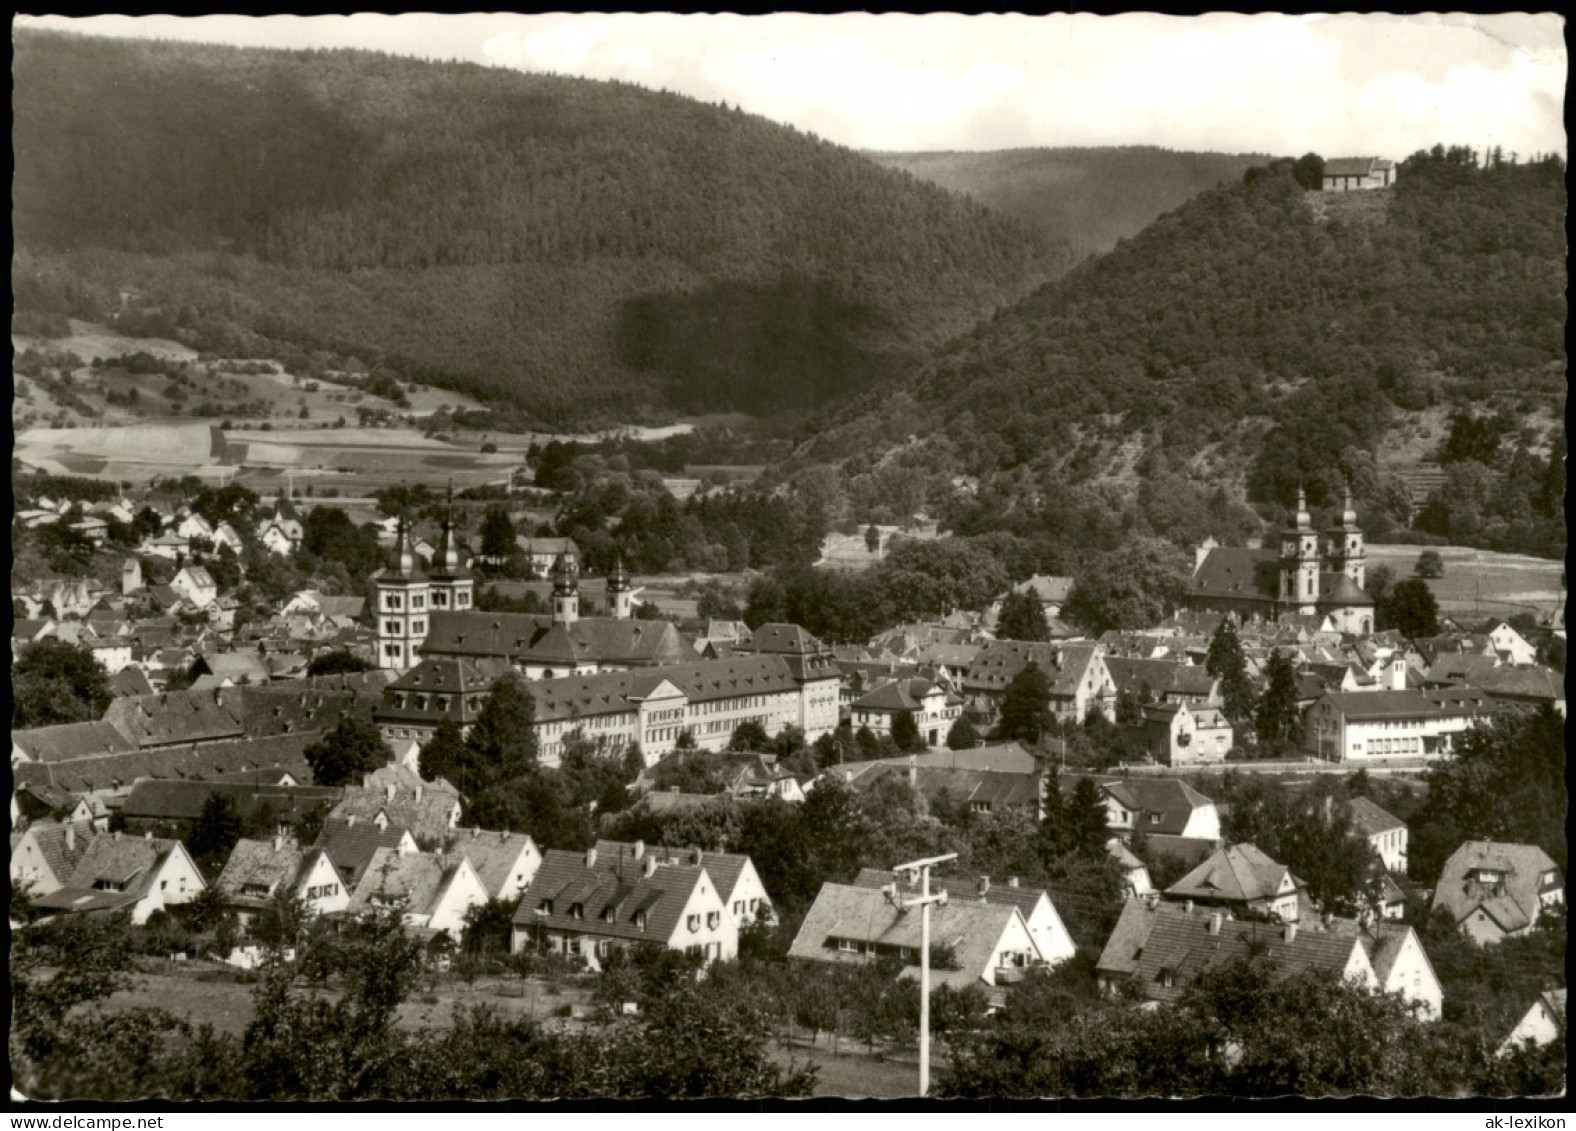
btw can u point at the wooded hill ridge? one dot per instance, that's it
(1256, 337)
(1087, 198)
(590, 252)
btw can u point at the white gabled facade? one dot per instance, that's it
(748, 902)
(447, 913)
(705, 927)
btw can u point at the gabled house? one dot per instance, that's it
(1177, 734)
(933, 708)
(169, 546)
(1158, 806)
(1241, 879)
(1494, 891)
(1525, 688)
(505, 862)
(986, 944)
(1400, 964)
(196, 586)
(1543, 1023)
(1164, 681)
(738, 884)
(258, 870)
(118, 873)
(46, 853)
(1161, 947)
(1034, 904)
(431, 890)
(1510, 646)
(1351, 174)
(351, 844)
(396, 796)
(584, 905)
(225, 535)
(193, 525)
(1077, 674)
(1386, 833)
(1135, 873)
(437, 689)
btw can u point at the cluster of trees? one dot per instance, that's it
(1244, 1028)
(600, 235)
(324, 1028)
(1500, 491)
(55, 682)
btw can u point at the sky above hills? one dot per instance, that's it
(1337, 85)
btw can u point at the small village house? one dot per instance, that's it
(1033, 903)
(1241, 879)
(1496, 891)
(431, 890)
(258, 870)
(135, 875)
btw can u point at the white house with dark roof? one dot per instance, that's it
(1241, 878)
(45, 854)
(585, 905)
(1496, 891)
(505, 862)
(1161, 947)
(1386, 833)
(933, 708)
(1033, 903)
(1177, 734)
(1400, 964)
(1543, 1023)
(351, 843)
(989, 943)
(1157, 806)
(1364, 726)
(813, 667)
(431, 890)
(259, 870)
(738, 884)
(118, 873)
(398, 796)
(1078, 677)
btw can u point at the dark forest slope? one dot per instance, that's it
(1087, 198)
(1257, 336)
(585, 250)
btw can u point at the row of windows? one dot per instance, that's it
(322, 891)
(392, 628)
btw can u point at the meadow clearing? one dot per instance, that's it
(1482, 583)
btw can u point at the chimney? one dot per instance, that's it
(389, 791)
(673, 789)
(117, 834)
(1012, 881)
(71, 837)
(650, 866)
(1398, 674)
(638, 849)
(1187, 908)
(418, 791)
(350, 821)
(279, 842)
(148, 835)
(590, 858)
(984, 885)
(1329, 809)
(1290, 932)
(476, 833)
(1214, 923)
(696, 855)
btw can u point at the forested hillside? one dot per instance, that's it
(1255, 337)
(1086, 198)
(587, 251)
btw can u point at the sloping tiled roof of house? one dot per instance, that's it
(1513, 900)
(1172, 799)
(610, 894)
(271, 864)
(493, 853)
(425, 808)
(61, 848)
(130, 681)
(1239, 873)
(413, 881)
(154, 800)
(523, 636)
(1164, 946)
(615, 692)
(842, 911)
(1409, 704)
(897, 695)
(960, 889)
(1238, 572)
(724, 868)
(351, 843)
(1370, 820)
(1533, 682)
(178, 717)
(1353, 166)
(242, 667)
(1161, 677)
(71, 741)
(118, 858)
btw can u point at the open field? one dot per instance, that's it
(1481, 583)
(89, 340)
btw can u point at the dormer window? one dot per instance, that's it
(109, 885)
(545, 907)
(640, 920)
(577, 911)
(255, 889)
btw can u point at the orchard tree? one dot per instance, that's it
(1430, 565)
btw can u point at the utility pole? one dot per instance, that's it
(920, 869)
